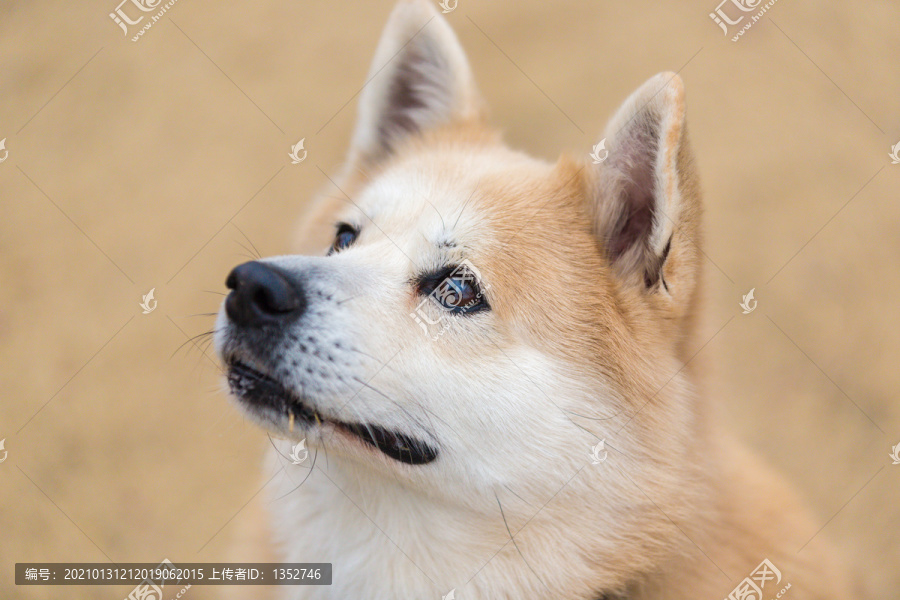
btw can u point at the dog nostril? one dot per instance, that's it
(261, 298)
(231, 282)
(261, 294)
(274, 303)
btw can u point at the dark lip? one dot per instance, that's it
(260, 391)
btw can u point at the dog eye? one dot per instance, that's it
(346, 235)
(455, 289)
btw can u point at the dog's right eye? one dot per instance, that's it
(346, 235)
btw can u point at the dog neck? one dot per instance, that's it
(403, 543)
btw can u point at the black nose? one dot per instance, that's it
(262, 295)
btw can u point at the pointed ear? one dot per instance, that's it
(419, 79)
(646, 199)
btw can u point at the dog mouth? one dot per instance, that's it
(262, 392)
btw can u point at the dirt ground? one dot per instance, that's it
(151, 164)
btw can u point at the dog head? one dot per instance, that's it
(467, 314)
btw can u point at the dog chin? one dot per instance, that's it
(277, 408)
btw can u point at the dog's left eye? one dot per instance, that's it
(346, 235)
(456, 289)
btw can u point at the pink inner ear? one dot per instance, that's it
(633, 162)
(419, 93)
(418, 84)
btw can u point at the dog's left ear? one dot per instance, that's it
(419, 79)
(646, 198)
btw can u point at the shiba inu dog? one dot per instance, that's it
(488, 357)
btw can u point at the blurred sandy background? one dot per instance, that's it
(144, 165)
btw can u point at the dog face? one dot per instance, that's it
(468, 313)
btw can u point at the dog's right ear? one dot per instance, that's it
(419, 79)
